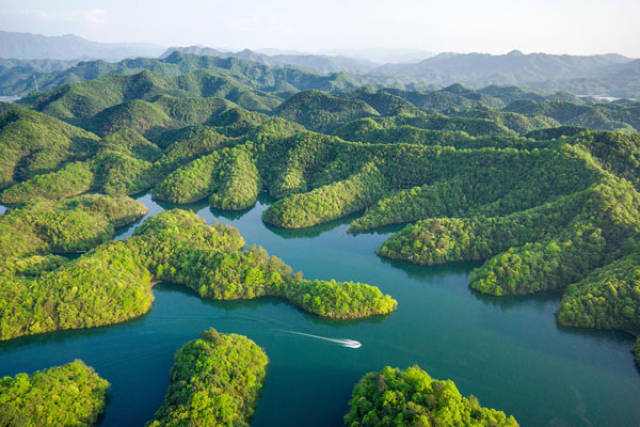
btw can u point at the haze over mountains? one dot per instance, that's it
(319, 63)
(34, 62)
(592, 75)
(69, 47)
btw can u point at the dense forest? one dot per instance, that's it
(43, 226)
(215, 381)
(542, 189)
(392, 397)
(112, 282)
(67, 395)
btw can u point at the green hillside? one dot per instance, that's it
(33, 143)
(392, 397)
(67, 395)
(215, 380)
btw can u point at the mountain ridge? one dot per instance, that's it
(68, 47)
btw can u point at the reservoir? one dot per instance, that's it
(508, 352)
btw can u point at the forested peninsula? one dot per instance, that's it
(112, 282)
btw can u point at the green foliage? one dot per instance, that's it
(239, 180)
(603, 116)
(443, 240)
(153, 117)
(190, 141)
(70, 225)
(339, 300)
(215, 380)
(112, 283)
(605, 228)
(465, 122)
(307, 160)
(519, 123)
(392, 397)
(106, 286)
(320, 111)
(132, 143)
(617, 152)
(368, 130)
(32, 143)
(224, 272)
(328, 202)
(122, 165)
(119, 173)
(607, 298)
(515, 181)
(142, 116)
(229, 176)
(546, 247)
(81, 102)
(67, 395)
(193, 182)
(73, 179)
(31, 266)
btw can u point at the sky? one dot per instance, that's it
(491, 26)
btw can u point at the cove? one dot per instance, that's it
(508, 352)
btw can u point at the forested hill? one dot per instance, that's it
(319, 63)
(332, 102)
(258, 76)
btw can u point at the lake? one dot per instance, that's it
(508, 352)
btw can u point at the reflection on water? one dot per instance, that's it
(507, 351)
(316, 230)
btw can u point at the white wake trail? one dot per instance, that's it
(345, 342)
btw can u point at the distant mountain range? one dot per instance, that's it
(319, 63)
(25, 68)
(476, 67)
(383, 55)
(69, 47)
(611, 74)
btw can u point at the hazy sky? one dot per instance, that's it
(495, 26)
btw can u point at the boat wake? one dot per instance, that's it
(344, 342)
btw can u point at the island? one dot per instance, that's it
(392, 397)
(215, 380)
(67, 395)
